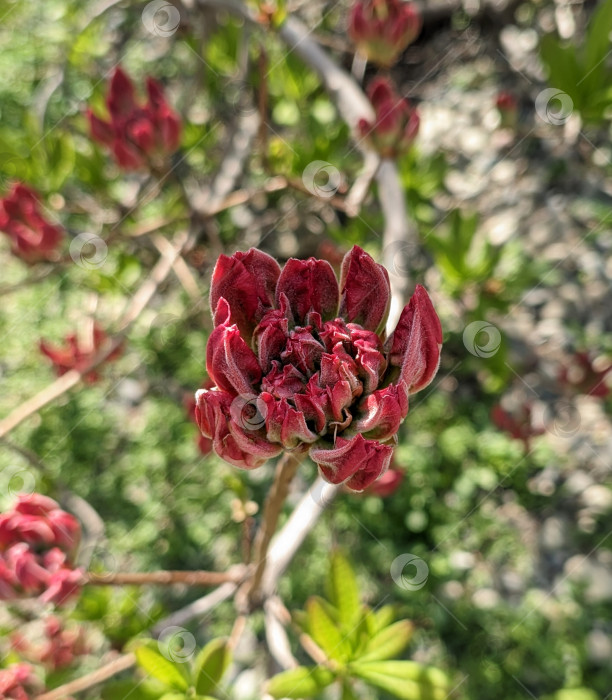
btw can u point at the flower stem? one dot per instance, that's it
(165, 578)
(285, 471)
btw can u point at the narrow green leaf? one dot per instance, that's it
(301, 682)
(344, 591)
(389, 642)
(382, 618)
(210, 665)
(597, 45)
(161, 668)
(325, 632)
(404, 679)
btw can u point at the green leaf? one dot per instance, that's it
(597, 46)
(404, 679)
(300, 682)
(389, 642)
(135, 689)
(161, 668)
(210, 665)
(343, 591)
(382, 618)
(324, 630)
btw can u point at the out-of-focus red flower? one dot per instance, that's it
(586, 376)
(33, 238)
(518, 423)
(301, 363)
(139, 136)
(396, 125)
(78, 352)
(38, 541)
(17, 682)
(507, 106)
(59, 647)
(388, 483)
(382, 29)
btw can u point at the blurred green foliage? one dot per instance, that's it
(127, 446)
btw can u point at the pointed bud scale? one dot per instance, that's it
(310, 285)
(365, 290)
(356, 462)
(120, 99)
(230, 362)
(415, 344)
(248, 282)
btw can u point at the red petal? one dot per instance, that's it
(230, 362)
(365, 290)
(358, 462)
(381, 413)
(101, 130)
(248, 282)
(416, 342)
(310, 285)
(120, 98)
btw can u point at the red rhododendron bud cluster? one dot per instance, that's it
(587, 376)
(396, 124)
(33, 238)
(38, 541)
(301, 363)
(139, 136)
(382, 29)
(17, 682)
(518, 422)
(60, 648)
(78, 352)
(507, 106)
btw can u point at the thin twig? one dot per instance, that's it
(101, 674)
(196, 609)
(276, 635)
(285, 471)
(164, 578)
